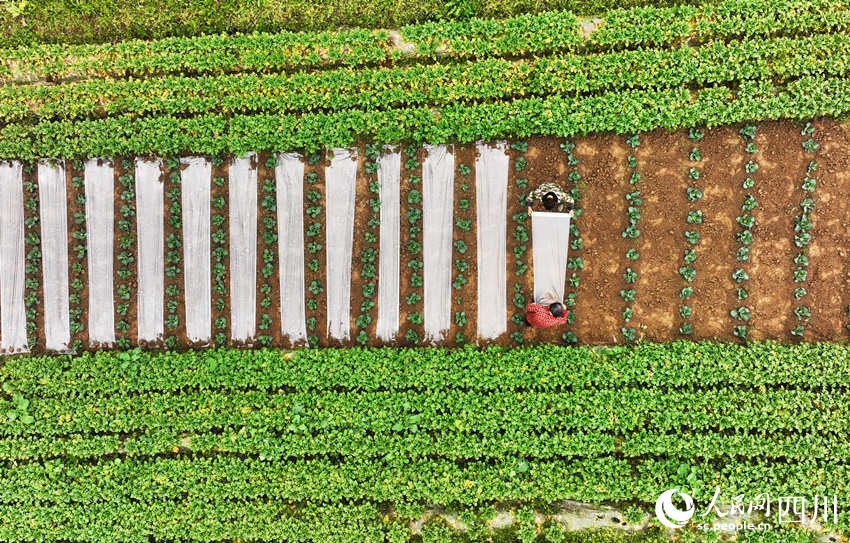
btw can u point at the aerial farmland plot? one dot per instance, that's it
(446, 273)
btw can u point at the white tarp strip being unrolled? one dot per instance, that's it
(150, 228)
(289, 179)
(389, 174)
(550, 241)
(54, 248)
(437, 203)
(340, 185)
(13, 325)
(195, 198)
(243, 247)
(99, 180)
(491, 195)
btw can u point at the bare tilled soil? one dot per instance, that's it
(663, 163)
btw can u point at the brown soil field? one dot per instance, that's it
(608, 173)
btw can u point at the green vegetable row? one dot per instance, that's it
(198, 519)
(271, 445)
(455, 444)
(560, 116)
(535, 368)
(618, 410)
(474, 38)
(399, 479)
(437, 85)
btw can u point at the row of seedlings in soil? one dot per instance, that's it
(314, 196)
(32, 241)
(219, 230)
(521, 237)
(694, 219)
(575, 262)
(462, 239)
(369, 254)
(416, 283)
(267, 270)
(125, 257)
(77, 236)
(802, 236)
(745, 237)
(631, 232)
(173, 254)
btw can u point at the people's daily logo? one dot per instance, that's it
(736, 515)
(668, 514)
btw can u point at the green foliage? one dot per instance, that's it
(170, 114)
(739, 275)
(694, 217)
(693, 194)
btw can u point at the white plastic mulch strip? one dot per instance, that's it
(289, 179)
(389, 173)
(150, 230)
(54, 249)
(243, 247)
(437, 203)
(550, 241)
(99, 179)
(340, 184)
(13, 328)
(491, 195)
(195, 200)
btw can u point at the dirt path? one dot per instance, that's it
(603, 167)
(662, 163)
(829, 266)
(782, 167)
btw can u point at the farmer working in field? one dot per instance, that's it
(552, 197)
(548, 309)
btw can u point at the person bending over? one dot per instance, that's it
(552, 196)
(543, 316)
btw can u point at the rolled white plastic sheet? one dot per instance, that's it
(289, 179)
(437, 224)
(242, 189)
(550, 241)
(491, 196)
(195, 199)
(100, 186)
(150, 230)
(54, 248)
(340, 186)
(389, 177)
(13, 325)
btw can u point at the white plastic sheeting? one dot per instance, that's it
(491, 194)
(550, 241)
(243, 247)
(99, 180)
(289, 179)
(54, 249)
(437, 203)
(195, 198)
(150, 225)
(13, 326)
(389, 174)
(340, 185)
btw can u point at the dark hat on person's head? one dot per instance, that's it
(556, 309)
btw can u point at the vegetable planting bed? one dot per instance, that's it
(731, 233)
(358, 444)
